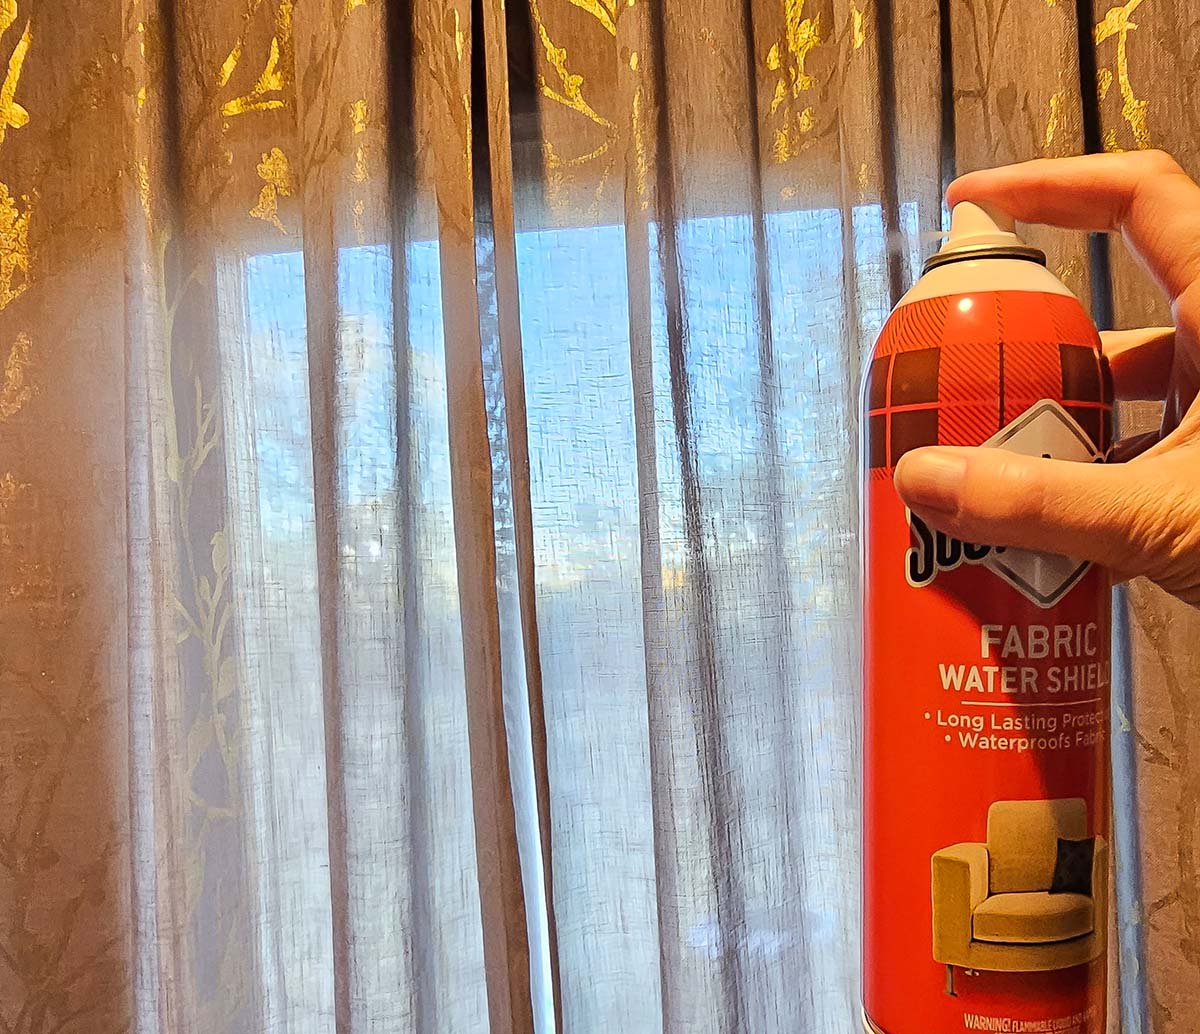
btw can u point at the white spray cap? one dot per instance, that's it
(981, 228)
(973, 225)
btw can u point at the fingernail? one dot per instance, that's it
(931, 479)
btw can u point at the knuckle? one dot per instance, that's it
(1157, 162)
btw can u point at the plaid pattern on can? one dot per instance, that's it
(956, 369)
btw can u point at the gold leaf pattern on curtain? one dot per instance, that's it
(787, 58)
(426, 527)
(276, 175)
(14, 221)
(271, 82)
(12, 115)
(1117, 25)
(14, 245)
(857, 26)
(358, 126)
(17, 388)
(566, 91)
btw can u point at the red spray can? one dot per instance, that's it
(986, 669)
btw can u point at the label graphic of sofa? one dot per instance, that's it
(992, 905)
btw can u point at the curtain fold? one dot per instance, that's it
(1137, 49)
(428, 522)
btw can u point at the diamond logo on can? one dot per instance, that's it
(1044, 429)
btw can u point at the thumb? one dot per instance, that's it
(1085, 510)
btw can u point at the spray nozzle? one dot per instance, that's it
(972, 224)
(977, 229)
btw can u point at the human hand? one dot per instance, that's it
(1138, 517)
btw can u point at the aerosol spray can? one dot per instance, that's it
(986, 669)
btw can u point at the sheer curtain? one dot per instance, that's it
(428, 556)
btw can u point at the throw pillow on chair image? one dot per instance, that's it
(1032, 897)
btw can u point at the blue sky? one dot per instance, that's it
(575, 340)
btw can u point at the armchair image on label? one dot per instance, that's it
(1033, 897)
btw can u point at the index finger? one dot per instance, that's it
(1144, 194)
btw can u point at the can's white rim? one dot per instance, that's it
(986, 274)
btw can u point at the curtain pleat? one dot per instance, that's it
(146, 523)
(204, 835)
(719, 986)
(505, 938)
(523, 689)
(418, 746)
(318, 177)
(1138, 48)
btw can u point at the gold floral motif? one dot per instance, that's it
(14, 246)
(801, 35)
(271, 81)
(273, 78)
(358, 116)
(229, 64)
(15, 389)
(787, 141)
(276, 175)
(12, 115)
(641, 150)
(358, 126)
(857, 31)
(570, 91)
(788, 58)
(1104, 78)
(1052, 120)
(604, 11)
(1116, 22)
(10, 488)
